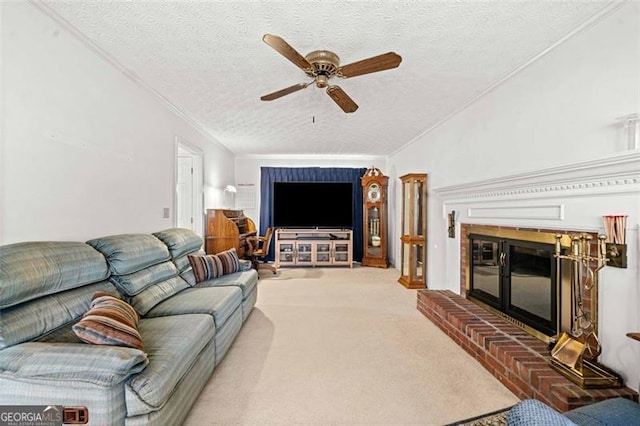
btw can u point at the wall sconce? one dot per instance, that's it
(631, 125)
(229, 201)
(451, 228)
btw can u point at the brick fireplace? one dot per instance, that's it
(519, 279)
(512, 355)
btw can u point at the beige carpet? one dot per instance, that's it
(339, 346)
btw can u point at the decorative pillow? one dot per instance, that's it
(109, 321)
(208, 266)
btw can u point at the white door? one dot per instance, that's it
(184, 188)
(189, 195)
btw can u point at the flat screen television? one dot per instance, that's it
(312, 205)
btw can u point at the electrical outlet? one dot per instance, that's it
(166, 213)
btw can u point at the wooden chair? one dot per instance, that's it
(260, 250)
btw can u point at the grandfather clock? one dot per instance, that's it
(374, 226)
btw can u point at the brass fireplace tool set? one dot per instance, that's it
(575, 355)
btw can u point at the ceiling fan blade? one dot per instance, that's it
(287, 51)
(283, 92)
(374, 64)
(342, 99)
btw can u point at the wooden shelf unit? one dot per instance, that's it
(413, 240)
(227, 229)
(317, 247)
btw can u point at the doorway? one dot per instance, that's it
(189, 197)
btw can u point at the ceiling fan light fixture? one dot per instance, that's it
(323, 62)
(322, 81)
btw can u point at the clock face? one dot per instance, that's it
(373, 193)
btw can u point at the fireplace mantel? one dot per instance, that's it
(619, 173)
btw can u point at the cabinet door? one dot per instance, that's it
(412, 268)
(413, 254)
(286, 254)
(340, 253)
(323, 253)
(304, 254)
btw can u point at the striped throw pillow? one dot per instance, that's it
(208, 266)
(109, 321)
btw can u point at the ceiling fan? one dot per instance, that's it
(322, 65)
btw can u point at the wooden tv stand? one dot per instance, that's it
(314, 247)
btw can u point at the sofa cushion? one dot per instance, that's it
(184, 266)
(109, 321)
(101, 365)
(214, 265)
(179, 241)
(219, 302)
(132, 284)
(33, 269)
(182, 262)
(141, 269)
(245, 265)
(128, 253)
(157, 293)
(173, 345)
(246, 280)
(43, 316)
(189, 277)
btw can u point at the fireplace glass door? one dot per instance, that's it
(516, 278)
(531, 292)
(486, 271)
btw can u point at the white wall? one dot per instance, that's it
(248, 170)
(502, 151)
(87, 151)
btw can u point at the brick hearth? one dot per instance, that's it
(514, 357)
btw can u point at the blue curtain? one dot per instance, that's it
(269, 175)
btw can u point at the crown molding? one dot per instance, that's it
(377, 159)
(616, 174)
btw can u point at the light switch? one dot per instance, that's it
(166, 213)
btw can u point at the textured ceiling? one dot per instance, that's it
(208, 59)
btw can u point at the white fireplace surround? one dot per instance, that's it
(617, 174)
(573, 197)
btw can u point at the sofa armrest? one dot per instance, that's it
(531, 412)
(615, 411)
(245, 265)
(97, 364)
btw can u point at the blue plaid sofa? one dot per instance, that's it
(186, 327)
(610, 412)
